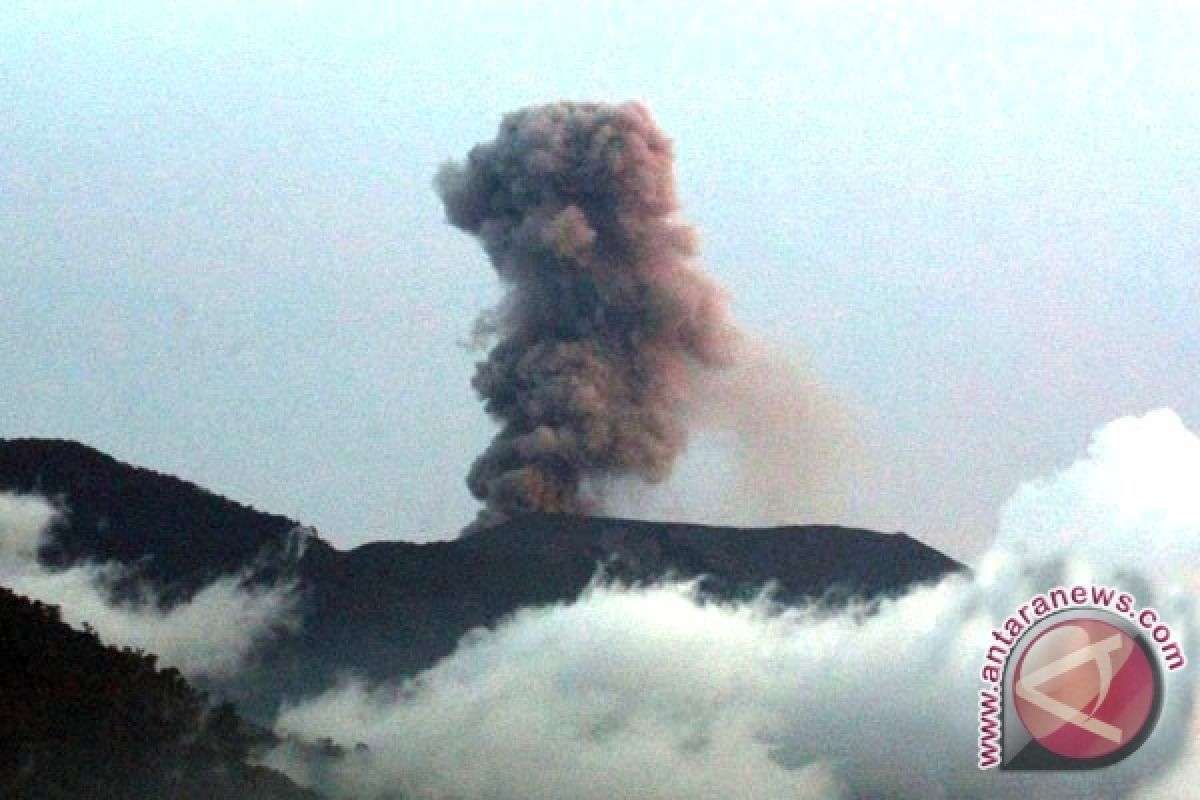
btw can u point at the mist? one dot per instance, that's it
(659, 692)
(213, 634)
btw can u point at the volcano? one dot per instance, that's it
(390, 609)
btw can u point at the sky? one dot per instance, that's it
(223, 257)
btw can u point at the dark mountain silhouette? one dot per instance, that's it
(79, 720)
(390, 609)
(179, 535)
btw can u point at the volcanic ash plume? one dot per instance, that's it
(606, 322)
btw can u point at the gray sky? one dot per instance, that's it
(223, 258)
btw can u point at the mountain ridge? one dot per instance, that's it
(387, 610)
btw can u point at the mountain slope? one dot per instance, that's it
(122, 513)
(390, 609)
(82, 720)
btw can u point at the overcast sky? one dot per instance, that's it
(223, 258)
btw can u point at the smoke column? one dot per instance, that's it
(606, 322)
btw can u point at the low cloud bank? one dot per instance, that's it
(659, 692)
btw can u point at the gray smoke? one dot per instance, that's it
(607, 320)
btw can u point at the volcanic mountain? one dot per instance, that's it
(390, 609)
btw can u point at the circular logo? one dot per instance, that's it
(1085, 689)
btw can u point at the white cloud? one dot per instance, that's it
(213, 634)
(23, 520)
(1137, 486)
(657, 693)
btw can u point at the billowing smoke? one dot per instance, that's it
(214, 634)
(606, 320)
(655, 692)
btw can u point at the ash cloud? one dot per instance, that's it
(656, 692)
(769, 445)
(214, 634)
(607, 320)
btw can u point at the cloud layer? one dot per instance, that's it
(659, 693)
